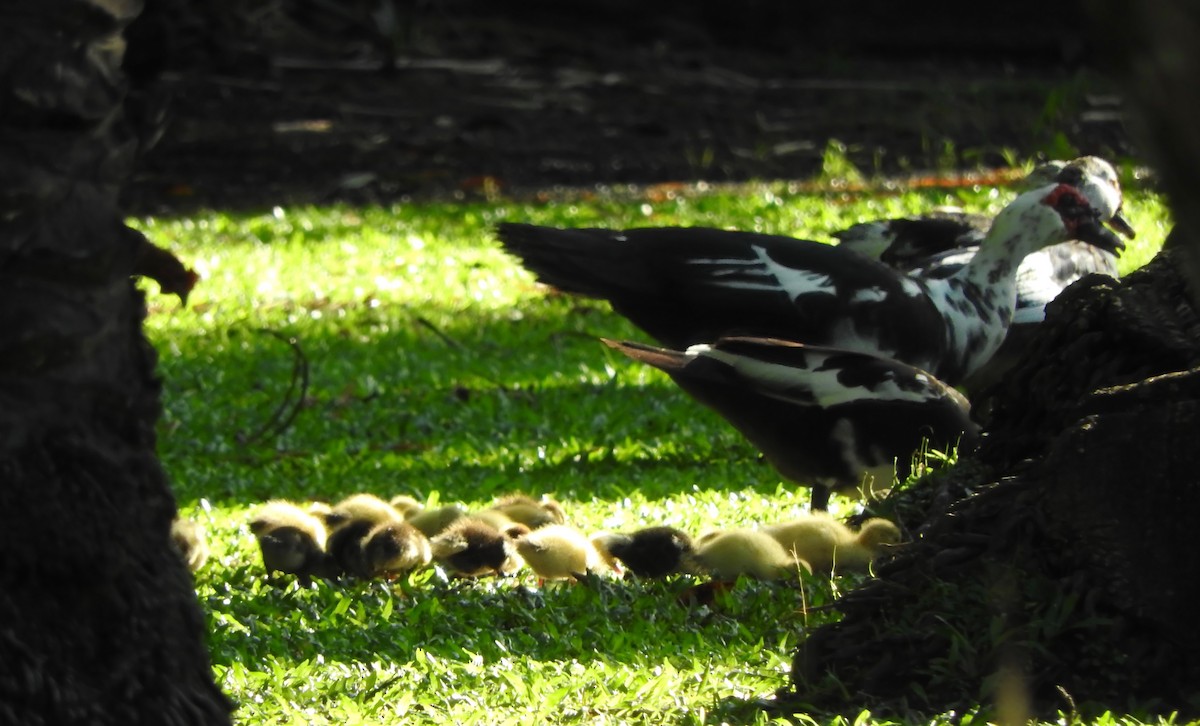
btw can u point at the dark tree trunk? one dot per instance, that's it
(1057, 565)
(99, 623)
(1060, 569)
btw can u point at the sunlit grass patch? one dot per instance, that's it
(438, 368)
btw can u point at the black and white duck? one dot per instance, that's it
(694, 285)
(823, 417)
(941, 243)
(941, 237)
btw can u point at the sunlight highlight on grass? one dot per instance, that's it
(438, 368)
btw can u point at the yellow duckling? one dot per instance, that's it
(471, 548)
(502, 522)
(291, 540)
(728, 554)
(829, 545)
(532, 513)
(190, 541)
(433, 522)
(364, 507)
(406, 505)
(561, 552)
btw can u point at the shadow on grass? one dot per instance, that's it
(470, 406)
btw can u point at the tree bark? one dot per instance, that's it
(1052, 567)
(99, 621)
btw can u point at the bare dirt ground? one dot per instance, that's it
(301, 112)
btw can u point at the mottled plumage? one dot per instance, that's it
(823, 417)
(692, 285)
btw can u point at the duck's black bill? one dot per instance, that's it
(1097, 235)
(1122, 225)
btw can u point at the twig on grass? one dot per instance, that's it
(289, 407)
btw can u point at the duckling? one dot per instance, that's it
(406, 505)
(561, 552)
(502, 522)
(730, 553)
(433, 522)
(471, 548)
(362, 506)
(648, 552)
(392, 548)
(829, 545)
(349, 523)
(532, 513)
(189, 540)
(292, 541)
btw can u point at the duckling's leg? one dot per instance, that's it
(819, 501)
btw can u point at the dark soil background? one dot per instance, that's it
(296, 101)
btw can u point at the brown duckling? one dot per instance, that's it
(829, 545)
(532, 513)
(648, 552)
(471, 548)
(350, 522)
(393, 548)
(561, 552)
(727, 554)
(291, 540)
(190, 541)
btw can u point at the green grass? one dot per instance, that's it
(439, 369)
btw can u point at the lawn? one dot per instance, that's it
(436, 367)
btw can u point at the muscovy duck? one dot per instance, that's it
(823, 417)
(939, 244)
(694, 285)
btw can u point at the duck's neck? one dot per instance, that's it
(987, 286)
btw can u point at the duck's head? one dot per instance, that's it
(877, 532)
(1096, 179)
(1053, 214)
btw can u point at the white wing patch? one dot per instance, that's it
(785, 382)
(870, 294)
(764, 273)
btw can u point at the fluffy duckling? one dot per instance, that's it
(502, 522)
(648, 552)
(728, 554)
(362, 506)
(471, 548)
(433, 522)
(392, 548)
(349, 524)
(561, 552)
(189, 540)
(292, 541)
(532, 513)
(406, 505)
(829, 545)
